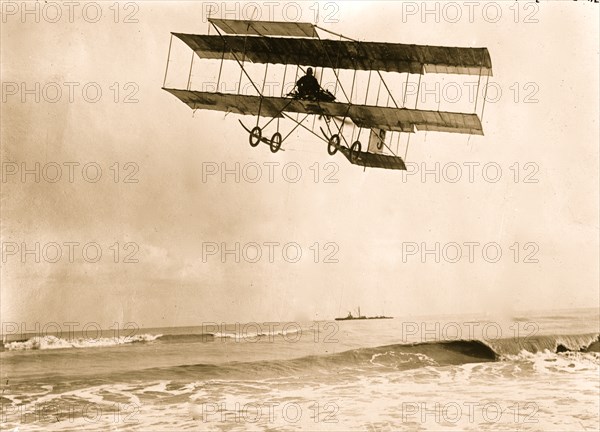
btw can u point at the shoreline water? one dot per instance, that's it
(386, 375)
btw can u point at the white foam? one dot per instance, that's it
(53, 342)
(255, 335)
(547, 361)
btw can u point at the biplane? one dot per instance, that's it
(300, 44)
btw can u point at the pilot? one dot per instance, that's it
(308, 86)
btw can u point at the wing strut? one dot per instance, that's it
(337, 79)
(485, 96)
(359, 47)
(168, 59)
(191, 67)
(416, 103)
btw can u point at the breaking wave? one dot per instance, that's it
(54, 342)
(394, 357)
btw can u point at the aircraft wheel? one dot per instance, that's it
(355, 150)
(275, 142)
(332, 146)
(255, 136)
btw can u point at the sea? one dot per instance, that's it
(528, 372)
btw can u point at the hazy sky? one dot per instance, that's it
(371, 221)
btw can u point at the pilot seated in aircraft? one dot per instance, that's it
(309, 88)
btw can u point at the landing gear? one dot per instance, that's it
(275, 143)
(255, 136)
(355, 151)
(333, 144)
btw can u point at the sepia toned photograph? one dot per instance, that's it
(334, 216)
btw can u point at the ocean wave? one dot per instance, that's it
(239, 335)
(589, 342)
(254, 335)
(54, 342)
(565, 362)
(401, 355)
(383, 358)
(585, 347)
(410, 356)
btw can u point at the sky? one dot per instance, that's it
(82, 92)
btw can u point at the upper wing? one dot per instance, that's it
(265, 28)
(392, 119)
(416, 59)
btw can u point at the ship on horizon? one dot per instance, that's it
(361, 317)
